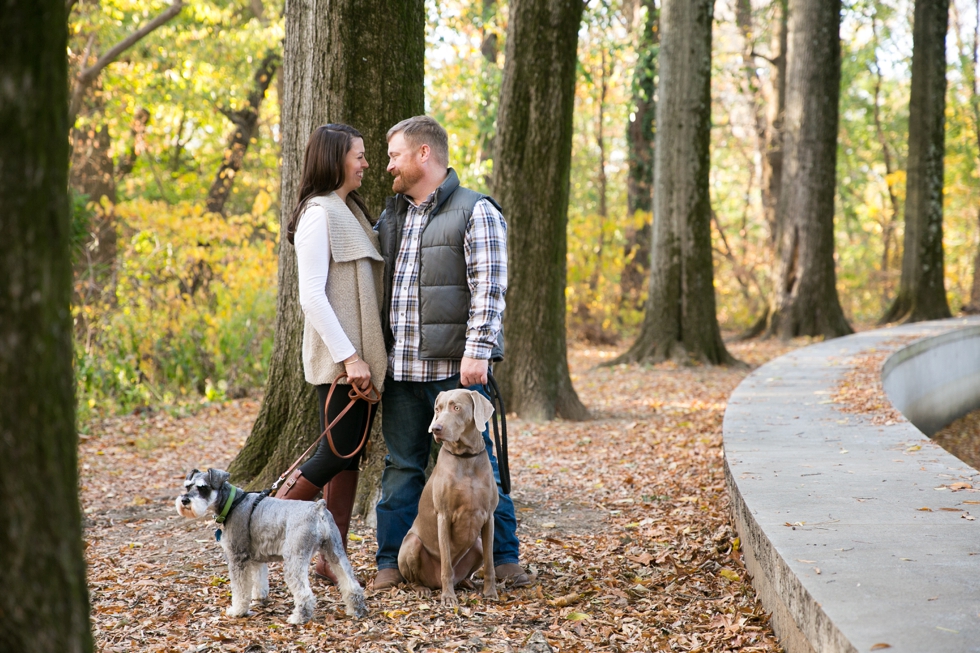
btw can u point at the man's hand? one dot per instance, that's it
(472, 371)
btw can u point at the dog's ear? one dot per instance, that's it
(482, 410)
(191, 473)
(217, 477)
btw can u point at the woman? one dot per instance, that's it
(340, 276)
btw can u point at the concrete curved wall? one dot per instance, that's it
(853, 532)
(935, 380)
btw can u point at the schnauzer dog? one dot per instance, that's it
(259, 529)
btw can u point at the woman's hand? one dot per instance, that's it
(358, 372)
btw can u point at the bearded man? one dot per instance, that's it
(445, 252)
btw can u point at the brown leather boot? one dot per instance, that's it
(339, 494)
(297, 488)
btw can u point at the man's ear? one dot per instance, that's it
(482, 410)
(424, 152)
(217, 477)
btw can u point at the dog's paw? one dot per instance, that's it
(356, 607)
(297, 618)
(237, 612)
(449, 600)
(490, 592)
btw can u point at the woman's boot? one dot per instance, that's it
(339, 494)
(297, 488)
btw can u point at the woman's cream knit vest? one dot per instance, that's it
(353, 290)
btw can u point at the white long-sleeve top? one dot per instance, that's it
(312, 242)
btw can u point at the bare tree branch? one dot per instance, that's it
(88, 75)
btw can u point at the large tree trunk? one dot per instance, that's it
(338, 66)
(806, 301)
(680, 320)
(246, 121)
(44, 606)
(531, 178)
(922, 289)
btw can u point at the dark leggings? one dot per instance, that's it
(347, 434)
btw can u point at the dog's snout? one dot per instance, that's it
(437, 428)
(185, 500)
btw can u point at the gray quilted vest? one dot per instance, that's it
(444, 296)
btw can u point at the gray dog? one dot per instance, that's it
(257, 529)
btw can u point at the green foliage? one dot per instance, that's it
(463, 82)
(192, 315)
(184, 311)
(182, 73)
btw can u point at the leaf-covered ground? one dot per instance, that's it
(623, 520)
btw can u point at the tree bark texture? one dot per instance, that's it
(44, 607)
(806, 301)
(246, 121)
(680, 320)
(639, 133)
(531, 182)
(922, 289)
(358, 62)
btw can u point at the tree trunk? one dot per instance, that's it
(806, 301)
(639, 138)
(44, 607)
(338, 66)
(768, 101)
(973, 305)
(489, 87)
(531, 181)
(639, 134)
(246, 123)
(922, 289)
(680, 320)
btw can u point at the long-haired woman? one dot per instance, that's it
(340, 276)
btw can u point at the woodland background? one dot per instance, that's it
(176, 156)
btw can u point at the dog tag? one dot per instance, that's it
(217, 535)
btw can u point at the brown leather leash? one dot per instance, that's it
(372, 396)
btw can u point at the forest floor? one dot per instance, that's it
(623, 521)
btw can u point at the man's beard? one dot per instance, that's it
(407, 177)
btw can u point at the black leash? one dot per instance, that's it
(499, 437)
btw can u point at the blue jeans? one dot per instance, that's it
(407, 411)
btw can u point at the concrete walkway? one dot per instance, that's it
(831, 509)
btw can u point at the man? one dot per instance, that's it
(445, 251)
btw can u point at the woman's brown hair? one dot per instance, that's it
(323, 169)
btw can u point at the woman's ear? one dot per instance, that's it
(482, 410)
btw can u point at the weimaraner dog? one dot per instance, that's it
(453, 532)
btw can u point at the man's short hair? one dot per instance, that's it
(423, 130)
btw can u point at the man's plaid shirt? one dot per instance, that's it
(485, 250)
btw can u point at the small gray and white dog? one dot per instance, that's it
(257, 529)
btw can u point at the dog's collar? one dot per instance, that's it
(465, 455)
(229, 504)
